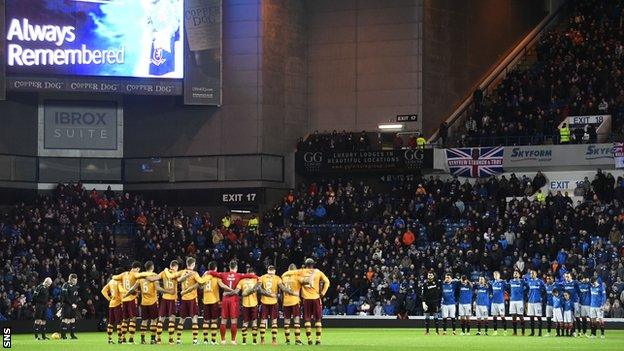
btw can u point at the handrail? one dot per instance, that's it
(501, 68)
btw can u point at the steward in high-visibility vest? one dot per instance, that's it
(564, 134)
(420, 142)
(540, 197)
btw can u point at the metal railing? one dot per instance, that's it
(169, 169)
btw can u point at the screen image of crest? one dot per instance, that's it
(110, 38)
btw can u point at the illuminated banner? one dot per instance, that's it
(388, 161)
(202, 71)
(116, 38)
(128, 86)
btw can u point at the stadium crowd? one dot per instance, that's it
(375, 241)
(578, 71)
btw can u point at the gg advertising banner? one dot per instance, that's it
(202, 71)
(388, 161)
(110, 38)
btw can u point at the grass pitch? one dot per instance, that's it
(350, 339)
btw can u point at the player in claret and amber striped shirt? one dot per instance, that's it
(211, 300)
(312, 299)
(149, 289)
(169, 277)
(292, 303)
(270, 285)
(189, 282)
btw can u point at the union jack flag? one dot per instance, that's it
(475, 162)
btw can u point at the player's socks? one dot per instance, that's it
(153, 330)
(539, 325)
(159, 330)
(213, 331)
(180, 329)
(72, 330)
(274, 333)
(319, 330)
(602, 328)
(444, 324)
(287, 333)
(119, 334)
(584, 323)
(478, 326)
(308, 329)
(436, 324)
(64, 330)
(222, 329)
(495, 322)
(131, 330)
(453, 324)
(143, 329)
(124, 330)
(43, 331)
(244, 334)
(532, 323)
(462, 323)
(297, 332)
(427, 324)
(468, 326)
(109, 331)
(171, 327)
(514, 325)
(195, 329)
(205, 327)
(233, 331)
(593, 328)
(262, 332)
(36, 330)
(504, 321)
(522, 324)
(254, 334)
(485, 323)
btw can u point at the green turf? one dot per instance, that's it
(354, 339)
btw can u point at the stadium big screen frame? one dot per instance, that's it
(111, 46)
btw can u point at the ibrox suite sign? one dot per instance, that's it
(319, 162)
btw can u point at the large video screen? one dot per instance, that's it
(113, 38)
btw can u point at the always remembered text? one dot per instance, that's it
(21, 30)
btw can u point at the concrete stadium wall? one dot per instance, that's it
(364, 62)
(461, 40)
(18, 124)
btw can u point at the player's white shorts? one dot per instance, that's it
(448, 311)
(516, 307)
(557, 315)
(481, 311)
(534, 309)
(498, 309)
(465, 310)
(585, 311)
(577, 309)
(549, 311)
(596, 313)
(567, 317)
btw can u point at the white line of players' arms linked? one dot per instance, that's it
(571, 307)
(166, 300)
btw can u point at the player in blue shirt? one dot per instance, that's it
(568, 314)
(534, 301)
(449, 301)
(465, 304)
(557, 309)
(596, 312)
(517, 289)
(571, 286)
(584, 287)
(482, 292)
(498, 301)
(550, 286)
